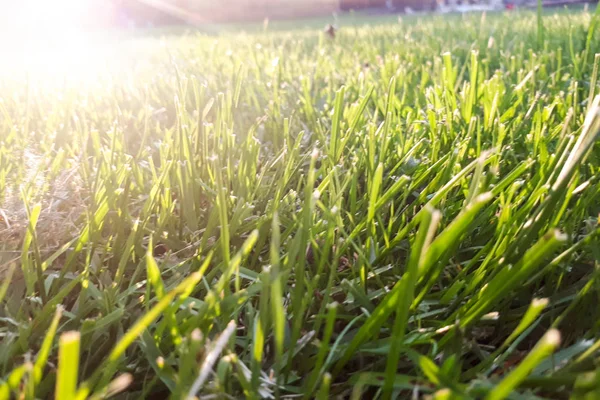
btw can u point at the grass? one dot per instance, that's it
(409, 209)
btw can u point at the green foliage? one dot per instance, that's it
(408, 209)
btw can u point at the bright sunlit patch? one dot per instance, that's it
(50, 36)
(46, 21)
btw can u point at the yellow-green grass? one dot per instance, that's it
(407, 209)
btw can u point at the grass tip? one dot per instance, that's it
(557, 235)
(537, 303)
(315, 154)
(70, 336)
(484, 197)
(119, 384)
(552, 338)
(492, 316)
(196, 335)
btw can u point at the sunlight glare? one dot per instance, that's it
(51, 36)
(48, 20)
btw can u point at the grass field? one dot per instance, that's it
(409, 209)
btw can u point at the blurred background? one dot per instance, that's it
(36, 15)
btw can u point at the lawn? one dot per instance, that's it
(408, 209)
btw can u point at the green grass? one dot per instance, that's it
(409, 209)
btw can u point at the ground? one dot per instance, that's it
(408, 207)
